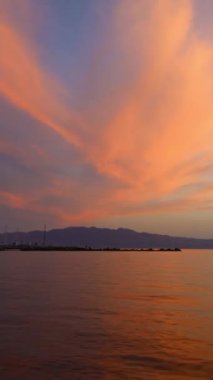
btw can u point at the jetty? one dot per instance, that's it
(43, 247)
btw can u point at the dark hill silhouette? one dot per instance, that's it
(105, 237)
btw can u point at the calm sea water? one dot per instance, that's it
(109, 316)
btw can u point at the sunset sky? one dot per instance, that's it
(106, 114)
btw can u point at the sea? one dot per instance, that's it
(106, 315)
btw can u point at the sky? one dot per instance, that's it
(106, 115)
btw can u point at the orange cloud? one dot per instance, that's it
(12, 200)
(166, 118)
(153, 141)
(26, 84)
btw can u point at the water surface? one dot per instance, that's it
(106, 315)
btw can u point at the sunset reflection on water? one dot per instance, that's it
(106, 315)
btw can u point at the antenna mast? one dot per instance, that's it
(44, 235)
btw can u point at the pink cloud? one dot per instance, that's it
(27, 85)
(12, 200)
(155, 134)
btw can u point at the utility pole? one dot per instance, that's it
(5, 234)
(44, 236)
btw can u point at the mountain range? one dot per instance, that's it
(103, 238)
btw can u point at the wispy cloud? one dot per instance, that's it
(30, 87)
(142, 134)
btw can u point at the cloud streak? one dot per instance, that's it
(142, 134)
(27, 85)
